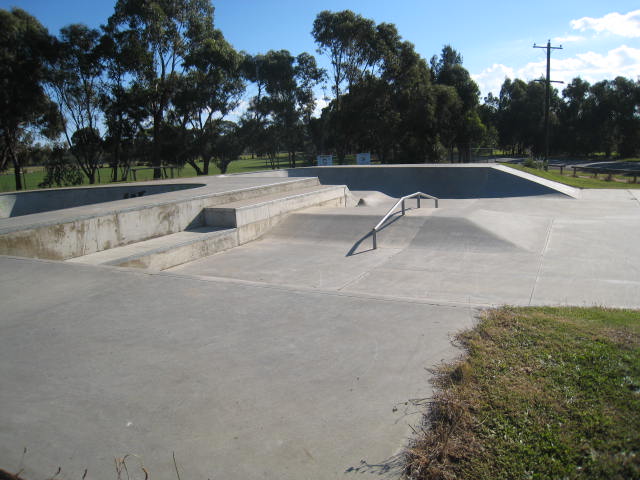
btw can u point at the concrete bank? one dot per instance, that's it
(440, 180)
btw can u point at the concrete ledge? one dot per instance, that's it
(85, 230)
(254, 219)
(226, 227)
(168, 251)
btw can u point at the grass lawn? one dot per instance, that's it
(541, 393)
(582, 181)
(35, 175)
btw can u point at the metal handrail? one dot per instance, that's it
(417, 196)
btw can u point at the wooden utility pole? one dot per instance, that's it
(547, 99)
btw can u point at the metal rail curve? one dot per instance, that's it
(417, 196)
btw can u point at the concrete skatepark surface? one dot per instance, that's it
(301, 354)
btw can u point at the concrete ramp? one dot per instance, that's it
(345, 230)
(451, 229)
(455, 234)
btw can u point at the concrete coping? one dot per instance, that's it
(248, 203)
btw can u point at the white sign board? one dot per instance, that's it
(324, 160)
(363, 158)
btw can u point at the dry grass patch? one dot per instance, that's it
(541, 393)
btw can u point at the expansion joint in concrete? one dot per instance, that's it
(541, 260)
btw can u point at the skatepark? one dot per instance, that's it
(246, 324)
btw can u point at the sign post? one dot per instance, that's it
(363, 158)
(324, 160)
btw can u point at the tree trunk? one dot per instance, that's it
(205, 166)
(17, 170)
(156, 161)
(195, 167)
(125, 172)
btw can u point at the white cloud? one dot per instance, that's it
(621, 61)
(320, 104)
(590, 66)
(492, 78)
(237, 112)
(569, 39)
(627, 25)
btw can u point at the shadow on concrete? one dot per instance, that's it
(392, 466)
(445, 182)
(353, 250)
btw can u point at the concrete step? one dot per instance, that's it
(225, 227)
(166, 251)
(254, 217)
(73, 232)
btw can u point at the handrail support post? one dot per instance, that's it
(417, 195)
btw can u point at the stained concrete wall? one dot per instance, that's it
(63, 239)
(26, 203)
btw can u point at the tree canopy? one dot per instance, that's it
(26, 49)
(159, 84)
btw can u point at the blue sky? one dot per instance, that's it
(600, 39)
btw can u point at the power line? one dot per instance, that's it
(547, 99)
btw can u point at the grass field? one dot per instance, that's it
(35, 175)
(541, 393)
(581, 181)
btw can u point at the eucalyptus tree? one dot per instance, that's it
(413, 103)
(26, 50)
(77, 84)
(448, 111)
(122, 104)
(344, 37)
(488, 112)
(576, 119)
(615, 106)
(392, 114)
(229, 145)
(356, 47)
(520, 116)
(157, 36)
(284, 108)
(448, 70)
(209, 90)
